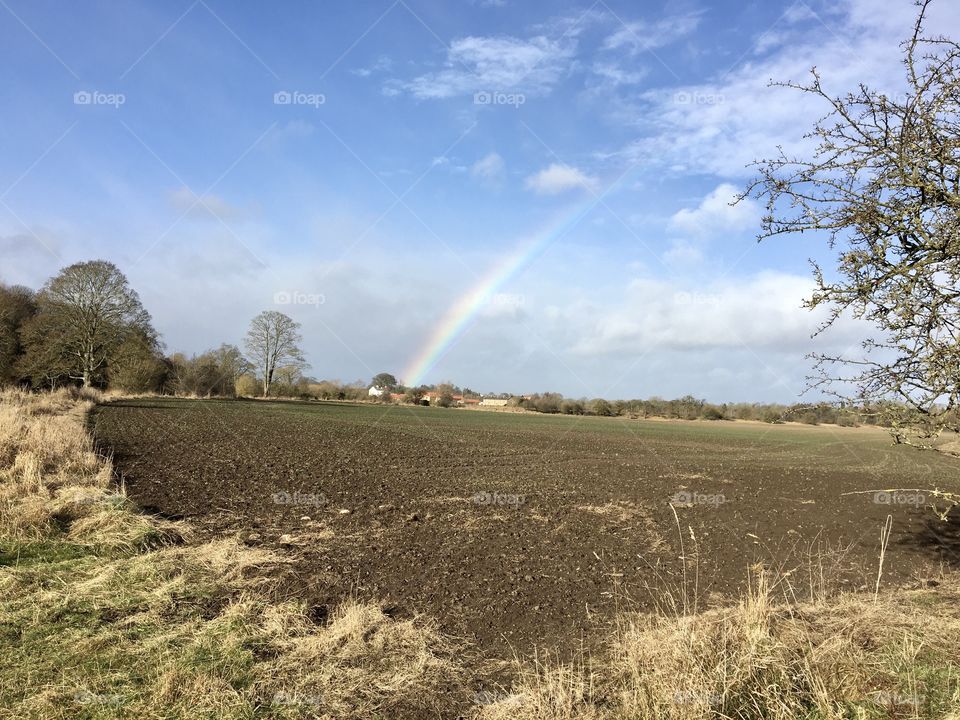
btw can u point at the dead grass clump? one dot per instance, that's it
(361, 664)
(190, 631)
(621, 511)
(52, 483)
(852, 657)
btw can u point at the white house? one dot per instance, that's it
(374, 391)
(494, 402)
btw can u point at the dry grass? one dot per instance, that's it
(850, 657)
(106, 614)
(361, 658)
(53, 484)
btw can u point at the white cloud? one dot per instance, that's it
(559, 178)
(715, 214)
(798, 12)
(657, 315)
(494, 64)
(208, 206)
(489, 167)
(641, 35)
(28, 257)
(721, 126)
(613, 75)
(682, 253)
(381, 64)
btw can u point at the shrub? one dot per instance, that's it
(601, 407)
(712, 412)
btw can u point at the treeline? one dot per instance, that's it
(86, 326)
(691, 408)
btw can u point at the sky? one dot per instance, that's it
(516, 196)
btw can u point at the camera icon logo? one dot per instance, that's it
(682, 497)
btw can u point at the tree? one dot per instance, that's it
(137, 366)
(85, 313)
(414, 396)
(601, 407)
(545, 403)
(17, 306)
(231, 364)
(384, 381)
(215, 372)
(273, 341)
(884, 184)
(445, 399)
(246, 386)
(289, 381)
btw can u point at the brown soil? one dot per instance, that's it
(522, 532)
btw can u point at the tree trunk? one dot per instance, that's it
(267, 380)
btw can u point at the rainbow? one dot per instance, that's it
(461, 314)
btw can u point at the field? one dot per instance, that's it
(516, 532)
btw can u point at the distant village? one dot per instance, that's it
(437, 397)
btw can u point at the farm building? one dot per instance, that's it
(494, 402)
(433, 396)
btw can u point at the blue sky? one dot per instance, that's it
(421, 143)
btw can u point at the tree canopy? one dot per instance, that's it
(883, 183)
(84, 315)
(384, 381)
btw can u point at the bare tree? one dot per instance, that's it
(85, 313)
(231, 366)
(884, 185)
(214, 372)
(272, 341)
